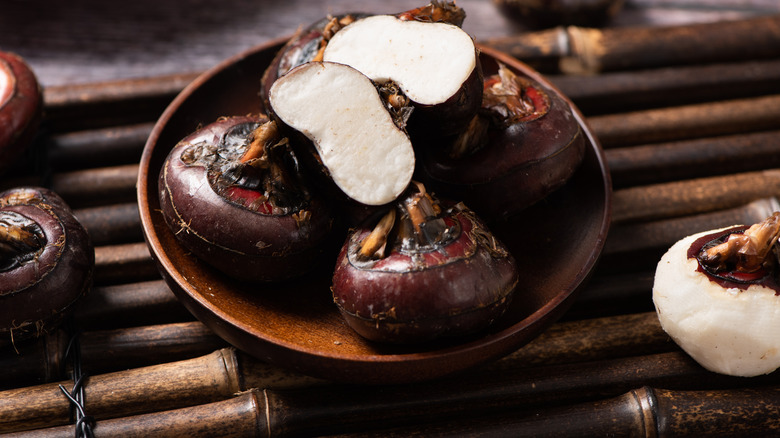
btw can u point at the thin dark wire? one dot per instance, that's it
(84, 422)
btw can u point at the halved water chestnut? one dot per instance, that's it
(717, 295)
(233, 194)
(524, 144)
(423, 271)
(435, 65)
(46, 262)
(357, 139)
(20, 108)
(423, 51)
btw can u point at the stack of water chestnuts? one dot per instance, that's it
(384, 124)
(46, 256)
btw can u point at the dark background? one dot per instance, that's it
(68, 42)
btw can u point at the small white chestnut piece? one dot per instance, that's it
(727, 324)
(339, 109)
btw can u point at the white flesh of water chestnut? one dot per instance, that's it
(727, 330)
(429, 61)
(339, 109)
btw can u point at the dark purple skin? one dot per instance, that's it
(300, 49)
(40, 286)
(241, 242)
(458, 289)
(20, 110)
(451, 116)
(520, 163)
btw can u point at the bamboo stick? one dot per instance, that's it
(307, 411)
(616, 92)
(123, 263)
(87, 187)
(129, 304)
(102, 351)
(701, 157)
(205, 379)
(111, 224)
(643, 412)
(80, 106)
(590, 339)
(610, 294)
(581, 50)
(111, 146)
(105, 185)
(240, 416)
(689, 197)
(688, 121)
(649, 240)
(637, 237)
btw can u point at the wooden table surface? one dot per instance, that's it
(108, 70)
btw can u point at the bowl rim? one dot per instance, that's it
(494, 344)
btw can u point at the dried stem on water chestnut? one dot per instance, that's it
(423, 272)
(233, 194)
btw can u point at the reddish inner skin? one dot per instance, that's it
(537, 97)
(540, 103)
(7, 83)
(248, 198)
(732, 279)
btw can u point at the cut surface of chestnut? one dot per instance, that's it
(423, 51)
(435, 65)
(233, 194)
(524, 144)
(357, 139)
(46, 262)
(717, 296)
(20, 108)
(423, 271)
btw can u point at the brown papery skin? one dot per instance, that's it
(38, 294)
(461, 288)
(242, 243)
(20, 112)
(520, 164)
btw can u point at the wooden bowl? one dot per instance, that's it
(296, 324)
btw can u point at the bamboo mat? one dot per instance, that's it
(690, 148)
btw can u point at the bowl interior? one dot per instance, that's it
(296, 324)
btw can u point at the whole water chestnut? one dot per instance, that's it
(524, 144)
(232, 193)
(46, 262)
(423, 272)
(21, 107)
